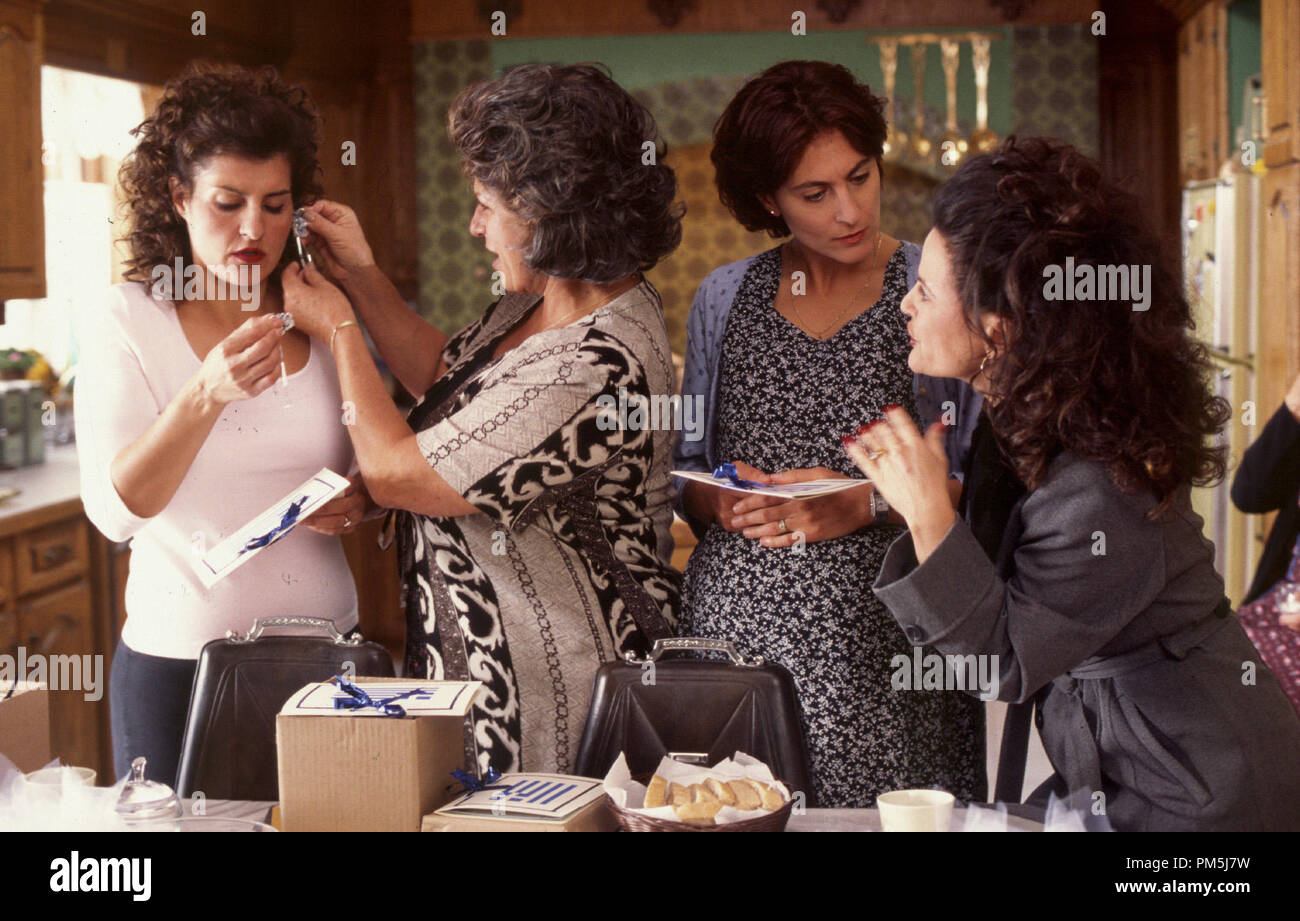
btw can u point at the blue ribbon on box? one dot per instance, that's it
(359, 699)
(731, 474)
(474, 784)
(287, 521)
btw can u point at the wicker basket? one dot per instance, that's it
(631, 820)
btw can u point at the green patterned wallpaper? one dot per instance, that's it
(1054, 84)
(454, 268)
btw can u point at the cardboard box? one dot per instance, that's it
(528, 802)
(25, 725)
(358, 770)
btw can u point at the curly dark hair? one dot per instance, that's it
(564, 147)
(209, 110)
(1104, 379)
(765, 129)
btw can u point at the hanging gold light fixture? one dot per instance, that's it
(953, 145)
(935, 152)
(896, 139)
(982, 140)
(922, 146)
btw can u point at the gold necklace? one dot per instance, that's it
(835, 323)
(556, 324)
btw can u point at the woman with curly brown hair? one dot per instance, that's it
(533, 521)
(180, 436)
(1076, 566)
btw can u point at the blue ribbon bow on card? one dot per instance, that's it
(472, 784)
(287, 521)
(731, 474)
(359, 699)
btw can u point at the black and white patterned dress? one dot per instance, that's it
(785, 399)
(568, 566)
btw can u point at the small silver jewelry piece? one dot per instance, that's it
(299, 232)
(879, 507)
(781, 525)
(347, 522)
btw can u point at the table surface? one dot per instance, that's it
(810, 820)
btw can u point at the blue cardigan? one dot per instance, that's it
(705, 329)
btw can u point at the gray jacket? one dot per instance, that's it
(1145, 692)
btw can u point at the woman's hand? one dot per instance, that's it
(243, 364)
(808, 520)
(718, 506)
(335, 235)
(318, 307)
(342, 514)
(911, 473)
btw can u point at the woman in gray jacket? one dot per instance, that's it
(1075, 568)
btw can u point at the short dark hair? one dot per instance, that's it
(1126, 387)
(208, 110)
(765, 129)
(565, 148)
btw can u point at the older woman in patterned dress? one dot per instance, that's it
(533, 527)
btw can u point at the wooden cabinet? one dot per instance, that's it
(1278, 359)
(1280, 25)
(1279, 304)
(1203, 141)
(22, 185)
(50, 556)
(58, 625)
(47, 609)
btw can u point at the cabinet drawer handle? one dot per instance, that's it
(63, 623)
(51, 555)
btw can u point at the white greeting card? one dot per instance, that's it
(805, 490)
(269, 527)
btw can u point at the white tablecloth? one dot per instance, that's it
(810, 820)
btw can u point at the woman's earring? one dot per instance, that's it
(985, 360)
(772, 212)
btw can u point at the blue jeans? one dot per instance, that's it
(149, 699)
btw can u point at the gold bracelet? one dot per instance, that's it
(345, 323)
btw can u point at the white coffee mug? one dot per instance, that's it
(915, 810)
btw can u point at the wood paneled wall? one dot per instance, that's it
(1203, 140)
(443, 20)
(1137, 95)
(353, 57)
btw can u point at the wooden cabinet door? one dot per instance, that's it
(58, 624)
(1203, 93)
(22, 176)
(1280, 25)
(1279, 289)
(1279, 294)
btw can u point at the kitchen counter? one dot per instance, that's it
(47, 491)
